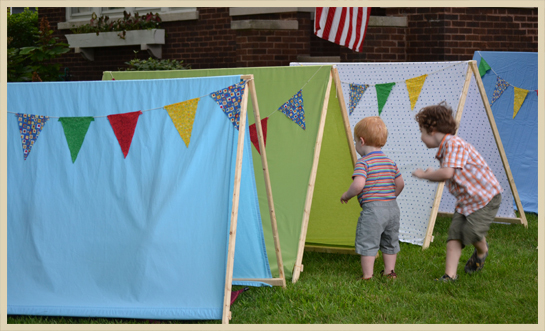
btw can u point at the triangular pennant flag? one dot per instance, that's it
(229, 101)
(356, 92)
(383, 91)
(235, 294)
(123, 126)
(75, 129)
(520, 96)
(30, 127)
(414, 86)
(253, 134)
(501, 85)
(483, 67)
(182, 115)
(294, 109)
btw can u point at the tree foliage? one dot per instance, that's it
(34, 62)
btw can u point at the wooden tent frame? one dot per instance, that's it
(281, 281)
(333, 75)
(471, 71)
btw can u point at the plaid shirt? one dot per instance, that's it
(473, 183)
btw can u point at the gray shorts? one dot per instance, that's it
(473, 227)
(378, 227)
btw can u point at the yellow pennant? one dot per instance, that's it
(414, 86)
(183, 116)
(520, 96)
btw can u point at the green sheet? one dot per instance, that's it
(290, 151)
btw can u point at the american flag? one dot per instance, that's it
(345, 26)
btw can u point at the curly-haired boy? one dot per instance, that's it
(468, 177)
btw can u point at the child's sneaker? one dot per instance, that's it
(475, 263)
(446, 279)
(391, 275)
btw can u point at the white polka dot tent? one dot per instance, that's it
(457, 83)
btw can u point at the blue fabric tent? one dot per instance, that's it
(519, 134)
(144, 236)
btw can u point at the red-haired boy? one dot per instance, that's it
(377, 182)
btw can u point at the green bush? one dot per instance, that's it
(22, 27)
(34, 62)
(152, 64)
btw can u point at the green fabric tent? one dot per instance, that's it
(290, 153)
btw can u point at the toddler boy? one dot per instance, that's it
(377, 182)
(468, 177)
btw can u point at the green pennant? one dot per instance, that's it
(75, 129)
(483, 67)
(383, 91)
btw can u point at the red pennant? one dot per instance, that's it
(253, 134)
(235, 294)
(123, 126)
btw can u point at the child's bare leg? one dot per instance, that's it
(389, 263)
(367, 264)
(454, 251)
(481, 247)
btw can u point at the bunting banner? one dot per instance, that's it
(414, 87)
(501, 86)
(483, 67)
(356, 92)
(383, 91)
(30, 127)
(229, 100)
(253, 134)
(294, 109)
(182, 115)
(75, 129)
(520, 96)
(124, 126)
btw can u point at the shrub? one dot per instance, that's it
(22, 27)
(152, 64)
(33, 62)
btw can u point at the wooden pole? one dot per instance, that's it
(344, 113)
(234, 210)
(298, 268)
(511, 180)
(441, 185)
(268, 189)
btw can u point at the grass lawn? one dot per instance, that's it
(328, 292)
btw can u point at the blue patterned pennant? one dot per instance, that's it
(229, 100)
(293, 109)
(30, 127)
(501, 86)
(356, 92)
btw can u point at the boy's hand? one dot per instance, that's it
(344, 198)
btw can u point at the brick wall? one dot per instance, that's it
(431, 34)
(258, 48)
(453, 34)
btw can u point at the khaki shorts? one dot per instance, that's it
(473, 227)
(378, 228)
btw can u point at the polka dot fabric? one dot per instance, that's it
(445, 81)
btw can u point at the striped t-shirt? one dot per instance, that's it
(379, 173)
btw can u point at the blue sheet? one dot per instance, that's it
(141, 237)
(519, 134)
